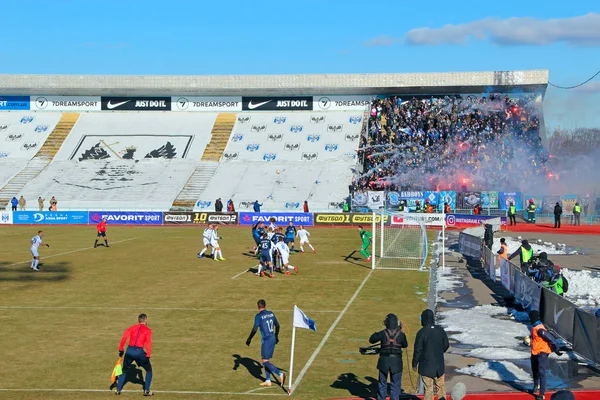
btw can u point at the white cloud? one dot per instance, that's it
(382, 40)
(578, 31)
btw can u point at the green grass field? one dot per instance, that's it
(61, 327)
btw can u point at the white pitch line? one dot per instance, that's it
(137, 391)
(241, 273)
(98, 308)
(69, 252)
(331, 328)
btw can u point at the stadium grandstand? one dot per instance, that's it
(177, 142)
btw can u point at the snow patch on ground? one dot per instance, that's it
(503, 371)
(498, 353)
(537, 245)
(584, 286)
(447, 280)
(476, 326)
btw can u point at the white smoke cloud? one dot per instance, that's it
(577, 31)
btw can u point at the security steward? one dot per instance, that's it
(418, 206)
(512, 214)
(503, 252)
(402, 206)
(392, 340)
(542, 345)
(577, 214)
(531, 212)
(526, 254)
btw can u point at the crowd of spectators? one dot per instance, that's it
(452, 143)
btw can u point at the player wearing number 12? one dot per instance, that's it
(269, 329)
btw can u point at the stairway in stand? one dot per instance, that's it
(41, 159)
(201, 176)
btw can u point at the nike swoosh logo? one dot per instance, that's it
(110, 105)
(252, 106)
(557, 315)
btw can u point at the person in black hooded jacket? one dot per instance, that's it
(392, 340)
(430, 345)
(557, 213)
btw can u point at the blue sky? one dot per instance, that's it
(328, 36)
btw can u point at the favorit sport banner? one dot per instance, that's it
(281, 218)
(126, 217)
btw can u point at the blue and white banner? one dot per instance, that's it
(6, 218)
(281, 218)
(302, 321)
(447, 197)
(50, 217)
(505, 198)
(126, 217)
(14, 103)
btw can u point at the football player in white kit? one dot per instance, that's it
(206, 237)
(284, 253)
(36, 241)
(303, 234)
(214, 242)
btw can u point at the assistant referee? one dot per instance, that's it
(139, 336)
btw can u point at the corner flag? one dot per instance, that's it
(302, 321)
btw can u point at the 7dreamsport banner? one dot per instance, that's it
(126, 217)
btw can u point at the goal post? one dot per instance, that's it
(399, 242)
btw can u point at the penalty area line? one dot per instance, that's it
(191, 392)
(70, 252)
(326, 337)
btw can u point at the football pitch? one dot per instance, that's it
(61, 326)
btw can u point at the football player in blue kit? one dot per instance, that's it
(269, 329)
(266, 250)
(257, 232)
(290, 234)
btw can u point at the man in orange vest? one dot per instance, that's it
(503, 252)
(542, 344)
(447, 209)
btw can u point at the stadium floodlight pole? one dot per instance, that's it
(373, 244)
(292, 357)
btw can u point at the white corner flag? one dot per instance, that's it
(300, 321)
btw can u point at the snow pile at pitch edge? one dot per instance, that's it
(503, 371)
(447, 280)
(537, 245)
(584, 287)
(498, 353)
(477, 326)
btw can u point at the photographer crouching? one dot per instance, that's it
(392, 340)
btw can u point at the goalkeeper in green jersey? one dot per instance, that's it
(366, 242)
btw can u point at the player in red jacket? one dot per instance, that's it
(101, 228)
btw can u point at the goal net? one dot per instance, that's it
(399, 241)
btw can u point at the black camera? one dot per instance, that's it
(370, 350)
